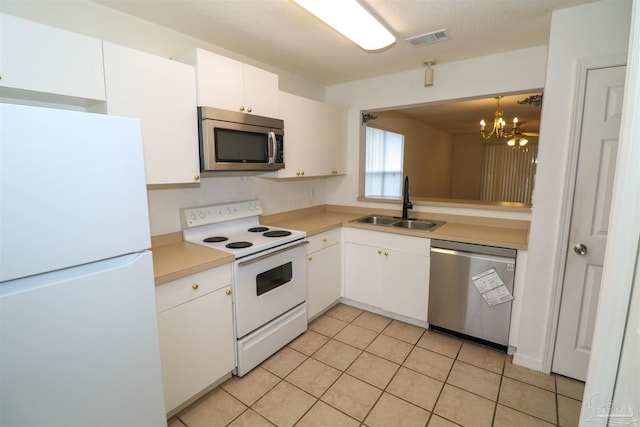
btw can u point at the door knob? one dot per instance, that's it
(580, 249)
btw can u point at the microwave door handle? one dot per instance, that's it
(272, 147)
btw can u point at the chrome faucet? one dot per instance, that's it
(406, 203)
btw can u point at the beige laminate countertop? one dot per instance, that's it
(512, 234)
(174, 258)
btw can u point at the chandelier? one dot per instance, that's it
(514, 137)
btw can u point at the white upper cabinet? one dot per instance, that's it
(46, 60)
(315, 138)
(162, 94)
(232, 85)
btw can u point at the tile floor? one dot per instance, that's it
(356, 368)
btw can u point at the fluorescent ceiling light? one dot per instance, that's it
(350, 19)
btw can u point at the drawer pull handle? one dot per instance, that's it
(324, 240)
(386, 254)
(379, 252)
(228, 292)
(310, 258)
(195, 286)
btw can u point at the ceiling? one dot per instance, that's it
(281, 34)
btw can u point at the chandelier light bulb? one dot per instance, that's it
(511, 142)
(523, 142)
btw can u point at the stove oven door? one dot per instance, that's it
(268, 285)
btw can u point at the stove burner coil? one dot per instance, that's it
(215, 239)
(238, 245)
(276, 233)
(258, 229)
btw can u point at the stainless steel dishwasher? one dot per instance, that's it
(467, 290)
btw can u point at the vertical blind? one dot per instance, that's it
(508, 173)
(384, 161)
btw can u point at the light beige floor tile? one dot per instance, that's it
(356, 336)
(391, 411)
(429, 363)
(372, 321)
(464, 408)
(373, 369)
(440, 343)
(529, 376)
(528, 399)
(284, 405)
(323, 415)
(482, 357)
(416, 388)
(314, 377)
(569, 387)
(250, 418)
(568, 411)
(337, 354)
(218, 408)
(309, 342)
(476, 380)
(352, 396)
(327, 326)
(437, 421)
(403, 331)
(283, 362)
(390, 348)
(252, 386)
(507, 417)
(343, 312)
(175, 422)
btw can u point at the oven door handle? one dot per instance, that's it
(270, 254)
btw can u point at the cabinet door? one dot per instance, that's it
(300, 138)
(196, 345)
(323, 279)
(161, 93)
(220, 81)
(45, 59)
(362, 275)
(405, 287)
(260, 91)
(332, 133)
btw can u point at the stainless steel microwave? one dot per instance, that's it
(234, 141)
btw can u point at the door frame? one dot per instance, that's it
(580, 73)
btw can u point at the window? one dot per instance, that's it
(383, 165)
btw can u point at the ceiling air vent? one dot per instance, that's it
(428, 38)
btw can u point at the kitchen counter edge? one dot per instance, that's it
(513, 234)
(174, 258)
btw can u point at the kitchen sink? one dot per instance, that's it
(418, 224)
(376, 220)
(411, 223)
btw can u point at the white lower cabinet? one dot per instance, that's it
(324, 271)
(388, 271)
(195, 322)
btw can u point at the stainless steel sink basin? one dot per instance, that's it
(418, 224)
(412, 224)
(377, 220)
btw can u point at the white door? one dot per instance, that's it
(589, 220)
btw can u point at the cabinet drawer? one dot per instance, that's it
(397, 242)
(323, 240)
(187, 288)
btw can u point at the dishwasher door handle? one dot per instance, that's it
(495, 258)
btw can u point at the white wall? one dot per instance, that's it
(507, 72)
(577, 34)
(274, 195)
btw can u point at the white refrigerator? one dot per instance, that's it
(78, 326)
